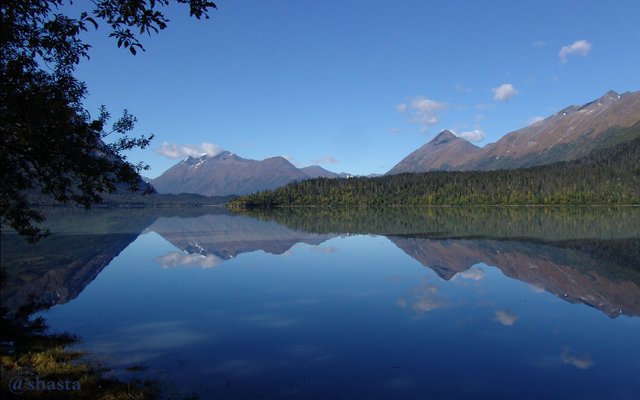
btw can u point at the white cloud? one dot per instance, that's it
(422, 111)
(579, 47)
(426, 109)
(504, 92)
(506, 317)
(172, 150)
(326, 160)
(475, 135)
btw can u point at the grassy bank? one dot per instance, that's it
(40, 366)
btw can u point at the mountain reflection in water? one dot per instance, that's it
(399, 303)
(590, 258)
(209, 240)
(567, 270)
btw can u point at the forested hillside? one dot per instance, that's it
(609, 176)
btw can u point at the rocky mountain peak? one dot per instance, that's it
(190, 160)
(437, 154)
(223, 155)
(609, 98)
(443, 137)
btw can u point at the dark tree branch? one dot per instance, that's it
(50, 147)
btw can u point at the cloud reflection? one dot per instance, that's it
(584, 362)
(506, 317)
(177, 259)
(536, 289)
(474, 274)
(266, 320)
(423, 299)
(324, 250)
(141, 342)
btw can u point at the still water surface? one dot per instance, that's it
(387, 304)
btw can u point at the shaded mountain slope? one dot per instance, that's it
(567, 135)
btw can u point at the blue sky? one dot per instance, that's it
(355, 86)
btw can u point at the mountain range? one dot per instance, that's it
(571, 133)
(226, 174)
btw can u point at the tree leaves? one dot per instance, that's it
(50, 147)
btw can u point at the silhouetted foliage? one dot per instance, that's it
(50, 145)
(609, 176)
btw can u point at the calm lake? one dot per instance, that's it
(402, 303)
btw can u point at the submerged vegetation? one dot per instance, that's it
(609, 176)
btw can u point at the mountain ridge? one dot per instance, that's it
(437, 154)
(569, 134)
(606, 176)
(226, 174)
